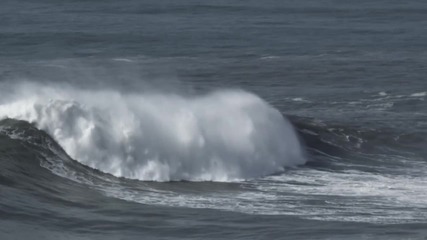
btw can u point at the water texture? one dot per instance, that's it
(213, 120)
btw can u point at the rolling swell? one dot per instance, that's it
(39, 154)
(36, 168)
(339, 139)
(45, 183)
(324, 143)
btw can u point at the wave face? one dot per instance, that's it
(221, 136)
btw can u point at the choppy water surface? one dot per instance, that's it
(213, 120)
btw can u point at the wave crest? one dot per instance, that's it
(221, 136)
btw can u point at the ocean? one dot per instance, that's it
(213, 120)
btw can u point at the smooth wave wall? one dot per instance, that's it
(222, 136)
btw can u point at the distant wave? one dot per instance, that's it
(222, 136)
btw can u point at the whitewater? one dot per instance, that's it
(226, 135)
(180, 120)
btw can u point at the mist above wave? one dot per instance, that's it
(222, 136)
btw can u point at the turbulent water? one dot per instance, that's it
(213, 120)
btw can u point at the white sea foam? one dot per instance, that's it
(419, 94)
(351, 196)
(122, 60)
(299, 99)
(222, 136)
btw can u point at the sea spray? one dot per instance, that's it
(222, 136)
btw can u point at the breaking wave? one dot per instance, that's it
(222, 136)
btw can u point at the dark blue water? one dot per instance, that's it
(350, 77)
